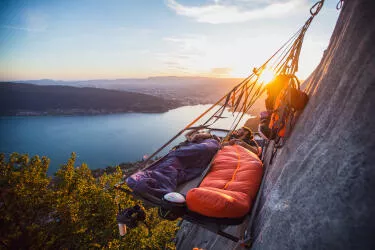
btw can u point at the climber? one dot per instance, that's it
(273, 90)
(242, 136)
(284, 99)
(198, 136)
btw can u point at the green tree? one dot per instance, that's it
(72, 210)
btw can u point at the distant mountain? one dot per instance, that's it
(186, 90)
(30, 99)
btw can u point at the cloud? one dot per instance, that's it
(183, 53)
(36, 20)
(235, 12)
(187, 46)
(136, 31)
(195, 54)
(12, 27)
(220, 71)
(32, 21)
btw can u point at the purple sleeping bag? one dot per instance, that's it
(177, 167)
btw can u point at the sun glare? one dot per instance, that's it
(266, 76)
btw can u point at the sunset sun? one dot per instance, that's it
(266, 76)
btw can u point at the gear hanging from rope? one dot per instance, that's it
(243, 96)
(290, 65)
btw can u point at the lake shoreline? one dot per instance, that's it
(98, 140)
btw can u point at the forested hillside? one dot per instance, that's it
(72, 210)
(29, 99)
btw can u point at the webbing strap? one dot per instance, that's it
(237, 168)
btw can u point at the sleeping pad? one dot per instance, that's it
(230, 187)
(177, 167)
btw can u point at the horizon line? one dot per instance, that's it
(114, 79)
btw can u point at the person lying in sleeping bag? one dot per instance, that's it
(185, 162)
(242, 136)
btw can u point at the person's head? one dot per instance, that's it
(244, 132)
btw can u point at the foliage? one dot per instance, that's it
(72, 210)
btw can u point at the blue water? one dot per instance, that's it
(99, 141)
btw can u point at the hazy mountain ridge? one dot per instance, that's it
(185, 90)
(30, 99)
(188, 90)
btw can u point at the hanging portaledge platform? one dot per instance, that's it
(238, 188)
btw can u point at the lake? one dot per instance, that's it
(99, 141)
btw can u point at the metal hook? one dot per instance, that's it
(314, 10)
(339, 4)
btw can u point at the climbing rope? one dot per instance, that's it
(290, 65)
(283, 116)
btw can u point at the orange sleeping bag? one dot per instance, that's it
(231, 185)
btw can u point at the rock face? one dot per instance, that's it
(319, 190)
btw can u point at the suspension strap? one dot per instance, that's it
(290, 66)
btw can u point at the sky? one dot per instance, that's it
(112, 39)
